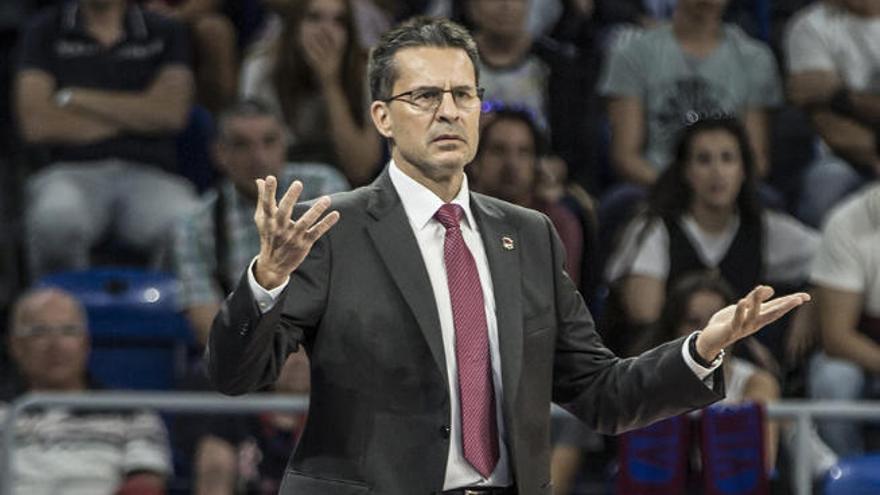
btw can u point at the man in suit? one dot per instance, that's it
(439, 323)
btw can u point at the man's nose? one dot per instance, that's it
(447, 109)
(260, 155)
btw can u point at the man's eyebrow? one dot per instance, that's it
(426, 87)
(440, 88)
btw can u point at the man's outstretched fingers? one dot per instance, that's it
(288, 201)
(323, 226)
(262, 199)
(739, 315)
(270, 185)
(311, 216)
(777, 308)
(756, 298)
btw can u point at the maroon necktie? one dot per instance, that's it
(476, 394)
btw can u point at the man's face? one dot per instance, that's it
(499, 17)
(507, 163)
(250, 148)
(435, 144)
(50, 345)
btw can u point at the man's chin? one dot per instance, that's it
(451, 159)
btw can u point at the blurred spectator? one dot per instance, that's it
(216, 58)
(313, 72)
(371, 18)
(236, 454)
(506, 167)
(576, 25)
(541, 15)
(552, 81)
(572, 443)
(214, 244)
(648, 13)
(75, 452)
(670, 76)
(555, 186)
(692, 301)
(833, 59)
(846, 274)
(106, 86)
(704, 215)
(400, 10)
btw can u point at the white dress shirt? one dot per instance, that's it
(420, 205)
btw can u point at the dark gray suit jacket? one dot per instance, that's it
(363, 307)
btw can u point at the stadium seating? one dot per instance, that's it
(139, 339)
(854, 476)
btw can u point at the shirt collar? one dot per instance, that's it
(134, 25)
(420, 203)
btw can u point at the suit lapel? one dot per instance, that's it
(500, 239)
(399, 250)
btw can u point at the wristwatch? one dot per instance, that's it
(692, 348)
(63, 97)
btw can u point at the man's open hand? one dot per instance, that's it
(285, 243)
(750, 314)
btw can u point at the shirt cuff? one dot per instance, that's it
(265, 299)
(703, 373)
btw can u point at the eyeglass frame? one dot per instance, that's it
(42, 331)
(400, 97)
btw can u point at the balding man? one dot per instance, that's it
(75, 452)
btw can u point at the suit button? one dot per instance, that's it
(445, 431)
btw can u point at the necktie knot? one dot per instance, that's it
(449, 215)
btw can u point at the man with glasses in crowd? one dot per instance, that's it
(59, 450)
(439, 323)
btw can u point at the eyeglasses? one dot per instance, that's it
(428, 99)
(46, 330)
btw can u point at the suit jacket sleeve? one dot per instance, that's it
(246, 349)
(608, 393)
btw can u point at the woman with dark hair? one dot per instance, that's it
(703, 215)
(313, 71)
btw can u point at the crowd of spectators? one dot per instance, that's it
(685, 150)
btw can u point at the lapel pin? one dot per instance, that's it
(507, 242)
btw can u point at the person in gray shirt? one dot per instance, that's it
(660, 80)
(211, 246)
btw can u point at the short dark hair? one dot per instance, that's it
(248, 107)
(417, 32)
(520, 115)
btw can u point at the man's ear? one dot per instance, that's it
(381, 118)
